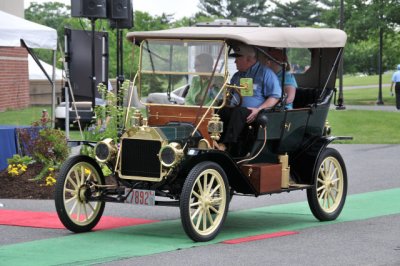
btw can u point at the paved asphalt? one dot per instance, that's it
(366, 241)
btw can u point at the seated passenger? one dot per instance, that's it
(264, 92)
(290, 84)
(203, 64)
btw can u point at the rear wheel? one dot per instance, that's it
(327, 196)
(204, 201)
(75, 186)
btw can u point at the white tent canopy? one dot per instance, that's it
(14, 29)
(35, 73)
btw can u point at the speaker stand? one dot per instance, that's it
(93, 75)
(120, 69)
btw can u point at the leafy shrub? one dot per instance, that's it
(17, 165)
(49, 147)
(110, 116)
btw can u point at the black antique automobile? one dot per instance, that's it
(166, 153)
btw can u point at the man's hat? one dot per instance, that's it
(277, 54)
(243, 50)
(398, 67)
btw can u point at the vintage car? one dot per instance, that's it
(166, 154)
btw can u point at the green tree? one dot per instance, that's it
(295, 14)
(253, 10)
(363, 20)
(53, 15)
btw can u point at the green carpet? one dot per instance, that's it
(103, 246)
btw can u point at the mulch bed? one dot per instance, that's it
(20, 187)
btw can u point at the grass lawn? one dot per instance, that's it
(27, 116)
(23, 117)
(367, 127)
(353, 80)
(367, 96)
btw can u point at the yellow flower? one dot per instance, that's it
(13, 172)
(87, 171)
(50, 181)
(51, 169)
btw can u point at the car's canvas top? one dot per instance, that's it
(259, 36)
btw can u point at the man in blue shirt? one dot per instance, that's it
(290, 84)
(263, 92)
(396, 82)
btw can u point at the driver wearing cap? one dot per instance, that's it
(263, 91)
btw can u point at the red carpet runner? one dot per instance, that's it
(50, 220)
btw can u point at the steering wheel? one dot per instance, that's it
(234, 97)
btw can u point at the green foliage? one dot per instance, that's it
(51, 147)
(295, 14)
(17, 165)
(53, 15)
(362, 20)
(18, 159)
(109, 117)
(48, 148)
(253, 10)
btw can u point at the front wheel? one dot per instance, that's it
(204, 201)
(327, 196)
(76, 184)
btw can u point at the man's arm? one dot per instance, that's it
(269, 102)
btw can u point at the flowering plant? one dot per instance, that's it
(17, 165)
(50, 180)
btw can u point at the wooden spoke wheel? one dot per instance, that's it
(204, 201)
(75, 185)
(326, 198)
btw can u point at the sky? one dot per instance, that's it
(180, 8)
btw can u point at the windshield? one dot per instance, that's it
(182, 72)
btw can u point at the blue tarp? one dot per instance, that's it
(8, 144)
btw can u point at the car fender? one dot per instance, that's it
(237, 181)
(303, 165)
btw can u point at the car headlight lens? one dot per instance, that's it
(170, 154)
(105, 150)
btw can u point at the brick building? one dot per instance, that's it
(14, 75)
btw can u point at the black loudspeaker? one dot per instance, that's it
(119, 9)
(117, 12)
(78, 51)
(89, 8)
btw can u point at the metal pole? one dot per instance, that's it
(67, 111)
(340, 70)
(120, 70)
(380, 100)
(53, 90)
(93, 77)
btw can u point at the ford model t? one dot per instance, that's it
(167, 150)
